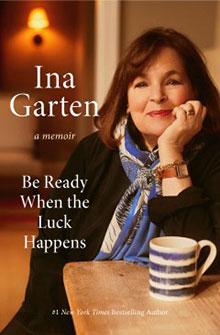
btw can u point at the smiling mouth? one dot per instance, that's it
(160, 113)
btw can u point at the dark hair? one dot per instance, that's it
(138, 55)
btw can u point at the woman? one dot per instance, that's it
(153, 169)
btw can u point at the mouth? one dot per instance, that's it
(160, 113)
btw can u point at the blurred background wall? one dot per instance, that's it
(87, 39)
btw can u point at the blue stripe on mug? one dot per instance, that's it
(173, 281)
(173, 256)
(172, 269)
(173, 293)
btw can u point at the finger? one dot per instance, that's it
(189, 110)
(180, 113)
(200, 115)
(204, 112)
(196, 104)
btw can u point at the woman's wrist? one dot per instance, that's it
(169, 154)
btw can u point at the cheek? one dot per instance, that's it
(182, 96)
(136, 102)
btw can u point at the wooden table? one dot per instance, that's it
(112, 298)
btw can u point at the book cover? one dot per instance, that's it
(57, 60)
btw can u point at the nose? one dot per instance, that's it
(157, 94)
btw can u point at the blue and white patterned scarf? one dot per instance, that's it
(130, 229)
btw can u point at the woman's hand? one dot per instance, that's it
(188, 122)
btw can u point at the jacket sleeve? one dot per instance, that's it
(45, 308)
(195, 212)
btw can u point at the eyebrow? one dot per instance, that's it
(167, 74)
(171, 72)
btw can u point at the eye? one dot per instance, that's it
(140, 84)
(173, 82)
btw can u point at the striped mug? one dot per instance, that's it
(173, 273)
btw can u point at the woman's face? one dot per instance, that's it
(152, 96)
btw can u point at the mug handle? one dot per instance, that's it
(209, 260)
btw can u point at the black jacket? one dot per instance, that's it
(194, 213)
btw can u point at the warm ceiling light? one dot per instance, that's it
(38, 19)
